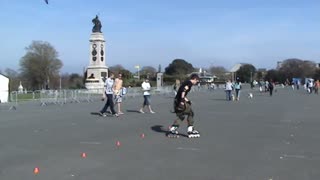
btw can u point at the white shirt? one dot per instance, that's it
(311, 84)
(228, 86)
(146, 88)
(108, 84)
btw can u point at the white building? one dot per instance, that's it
(234, 70)
(4, 88)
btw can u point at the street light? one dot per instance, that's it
(138, 67)
(60, 82)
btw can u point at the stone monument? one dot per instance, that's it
(159, 77)
(159, 80)
(97, 71)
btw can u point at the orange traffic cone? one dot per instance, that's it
(83, 155)
(36, 170)
(118, 144)
(142, 135)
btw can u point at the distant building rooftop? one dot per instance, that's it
(236, 67)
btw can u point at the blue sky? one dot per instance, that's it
(149, 33)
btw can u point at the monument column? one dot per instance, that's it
(97, 71)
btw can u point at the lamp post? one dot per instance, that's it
(138, 68)
(60, 82)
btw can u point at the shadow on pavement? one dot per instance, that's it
(95, 113)
(161, 129)
(130, 110)
(224, 99)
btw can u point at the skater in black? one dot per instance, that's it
(182, 107)
(271, 87)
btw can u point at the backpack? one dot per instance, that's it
(124, 91)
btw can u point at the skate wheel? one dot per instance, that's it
(194, 136)
(172, 136)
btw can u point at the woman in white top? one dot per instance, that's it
(228, 89)
(146, 87)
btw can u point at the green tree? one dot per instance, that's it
(218, 71)
(75, 81)
(116, 69)
(179, 67)
(40, 64)
(148, 72)
(275, 75)
(246, 73)
(14, 79)
(259, 75)
(297, 68)
(316, 75)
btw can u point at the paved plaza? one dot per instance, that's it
(262, 138)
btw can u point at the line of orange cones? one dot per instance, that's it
(36, 170)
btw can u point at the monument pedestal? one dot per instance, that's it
(159, 80)
(97, 71)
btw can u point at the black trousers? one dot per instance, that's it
(109, 103)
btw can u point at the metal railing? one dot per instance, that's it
(61, 97)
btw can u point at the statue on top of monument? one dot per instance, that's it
(97, 25)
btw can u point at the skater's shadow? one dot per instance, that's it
(161, 129)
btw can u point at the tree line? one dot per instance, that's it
(40, 69)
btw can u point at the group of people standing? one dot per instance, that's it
(182, 105)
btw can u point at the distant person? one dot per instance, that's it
(176, 86)
(146, 87)
(237, 87)
(228, 89)
(266, 86)
(118, 92)
(310, 86)
(182, 107)
(298, 84)
(108, 93)
(271, 87)
(316, 86)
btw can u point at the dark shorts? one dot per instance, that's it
(117, 99)
(147, 100)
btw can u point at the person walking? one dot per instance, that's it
(237, 87)
(228, 89)
(117, 92)
(271, 87)
(108, 93)
(146, 87)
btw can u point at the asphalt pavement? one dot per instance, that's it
(262, 138)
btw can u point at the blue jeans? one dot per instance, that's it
(228, 93)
